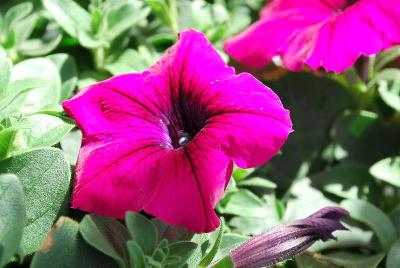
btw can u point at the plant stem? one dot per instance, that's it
(99, 57)
(173, 16)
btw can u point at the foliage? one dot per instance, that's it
(345, 149)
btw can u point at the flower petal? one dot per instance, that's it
(190, 182)
(318, 32)
(112, 178)
(248, 119)
(191, 64)
(269, 37)
(123, 137)
(117, 107)
(341, 40)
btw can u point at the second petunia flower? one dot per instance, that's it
(164, 141)
(331, 34)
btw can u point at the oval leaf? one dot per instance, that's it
(64, 247)
(377, 220)
(45, 177)
(142, 231)
(387, 170)
(107, 235)
(12, 216)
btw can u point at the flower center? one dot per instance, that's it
(349, 3)
(185, 119)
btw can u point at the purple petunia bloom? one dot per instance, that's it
(331, 34)
(164, 141)
(288, 240)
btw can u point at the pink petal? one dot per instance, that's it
(342, 39)
(192, 63)
(248, 119)
(122, 139)
(269, 37)
(116, 107)
(115, 177)
(318, 32)
(190, 182)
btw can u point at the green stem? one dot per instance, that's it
(173, 16)
(99, 57)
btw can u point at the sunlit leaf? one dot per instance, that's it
(376, 219)
(12, 216)
(45, 177)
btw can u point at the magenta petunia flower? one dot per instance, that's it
(328, 33)
(164, 140)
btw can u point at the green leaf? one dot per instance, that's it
(338, 260)
(39, 68)
(24, 28)
(136, 255)
(37, 131)
(361, 123)
(35, 85)
(17, 96)
(161, 9)
(203, 241)
(351, 146)
(123, 17)
(39, 47)
(12, 216)
(69, 15)
(242, 203)
(229, 242)
(5, 72)
(377, 220)
(69, 74)
(386, 57)
(122, 63)
(71, 144)
(225, 262)
(107, 235)
(393, 257)
(161, 252)
(240, 174)
(45, 177)
(388, 83)
(142, 231)
(209, 257)
(395, 216)
(64, 247)
(258, 182)
(314, 103)
(346, 181)
(387, 170)
(6, 140)
(354, 237)
(15, 14)
(307, 261)
(351, 260)
(305, 200)
(252, 225)
(181, 249)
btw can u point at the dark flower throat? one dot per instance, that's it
(185, 119)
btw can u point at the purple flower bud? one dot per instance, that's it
(287, 240)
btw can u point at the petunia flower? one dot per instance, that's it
(288, 240)
(164, 141)
(332, 34)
